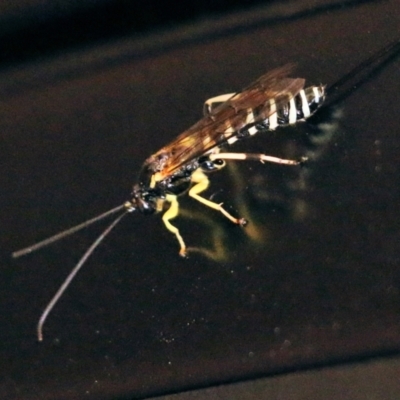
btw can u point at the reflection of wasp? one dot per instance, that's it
(182, 166)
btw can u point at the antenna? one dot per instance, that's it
(128, 206)
(72, 274)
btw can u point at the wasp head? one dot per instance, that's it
(144, 199)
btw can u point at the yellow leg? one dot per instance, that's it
(202, 183)
(171, 213)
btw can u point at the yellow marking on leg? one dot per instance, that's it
(171, 213)
(202, 183)
(155, 178)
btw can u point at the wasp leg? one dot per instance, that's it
(210, 104)
(255, 157)
(171, 213)
(201, 185)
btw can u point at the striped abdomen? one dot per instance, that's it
(281, 111)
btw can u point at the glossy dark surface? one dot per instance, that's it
(314, 278)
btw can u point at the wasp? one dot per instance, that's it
(183, 166)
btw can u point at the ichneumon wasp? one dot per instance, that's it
(183, 165)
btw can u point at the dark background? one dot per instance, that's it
(34, 28)
(88, 91)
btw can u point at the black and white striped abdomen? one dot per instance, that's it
(281, 111)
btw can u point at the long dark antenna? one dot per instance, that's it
(76, 269)
(68, 232)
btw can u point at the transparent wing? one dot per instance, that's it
(228, 118)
